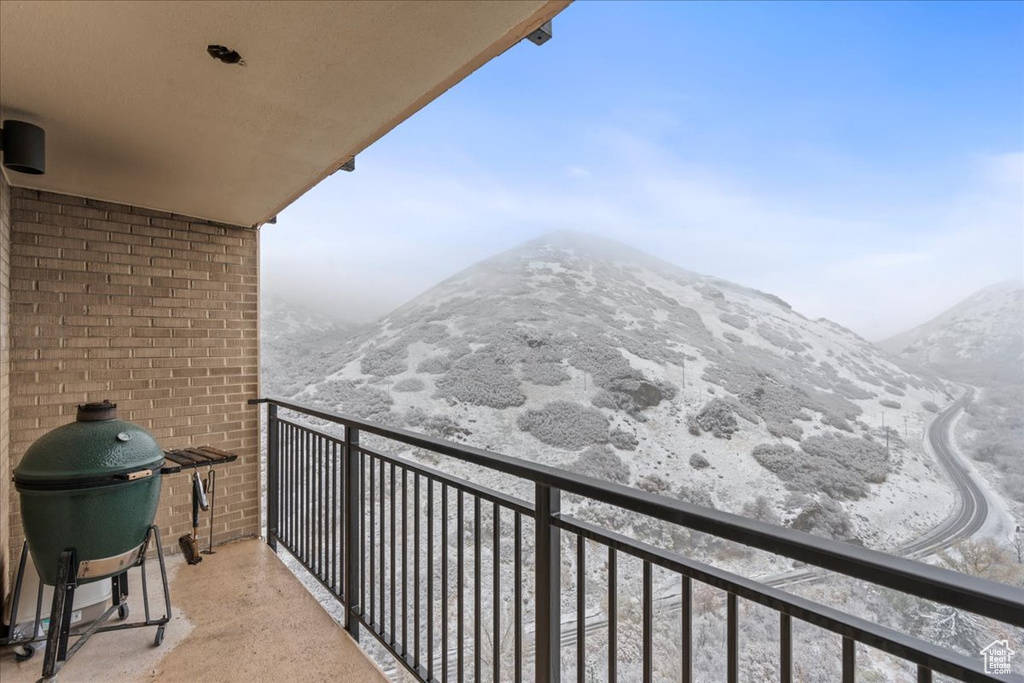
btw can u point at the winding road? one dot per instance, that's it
(972, 505)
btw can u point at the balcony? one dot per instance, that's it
(459, 581)
(240, 616)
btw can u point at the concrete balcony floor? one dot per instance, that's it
(240, 615)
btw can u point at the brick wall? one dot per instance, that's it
(154, 311)
(5, 461)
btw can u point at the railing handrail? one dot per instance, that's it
(986, 598)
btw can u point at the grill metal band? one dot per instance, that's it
(105, 566)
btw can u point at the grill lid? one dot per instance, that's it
(95, 450)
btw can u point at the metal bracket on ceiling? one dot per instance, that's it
(541, 34)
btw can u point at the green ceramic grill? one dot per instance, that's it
(92, 485)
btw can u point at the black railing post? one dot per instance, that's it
(273, 485)
(548, 593)
(352, 536)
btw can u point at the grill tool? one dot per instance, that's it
(189, 543)
(211, 486)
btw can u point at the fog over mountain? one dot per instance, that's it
(587, 354)
(979, 339)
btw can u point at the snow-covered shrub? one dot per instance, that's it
(434, 365)
(353, 399)
(1013, 486)
(694, 495)
(458, 348)
(565, 425)
(774, 457)
(652, 483)
(717, 417)
(838, 466)
(479, 380)
(844, 387)
(623, 440)
(778, 338)
(889, 403)
(545, 373)
(930, 406)
(784, 430)
(837, 421)
(733, 337)
(893, 390)
(601, 462)
(384, 361)
(737, 321)
(692, 426)
(699, 462)
(626, 388)
(444, 427)
(761, 508)
(409, 384)
(824, 518)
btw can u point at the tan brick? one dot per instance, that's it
(106, 306)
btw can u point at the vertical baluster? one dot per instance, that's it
(924, 674)
(648, 623)
(318, 508)
(416, 573)
(785, 648)
(686, 627)
(307, 507)
(613, 616)
(336, 516)
(477, 529)
(581, 609)
(849, 660)
(353, 553)
(382, 575)
(517, 589)
(430, 578)
(363, 513)
(405, 561)
(547, 649)
(460, 636)
(496, 601)
(732, 639)
(371, 549)
(444, 583)
(394, 585)
(273, 481)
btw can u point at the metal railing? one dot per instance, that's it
(377, 531)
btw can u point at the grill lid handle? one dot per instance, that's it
(97, 412)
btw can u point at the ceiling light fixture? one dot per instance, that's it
(223, 54)
(24, 147)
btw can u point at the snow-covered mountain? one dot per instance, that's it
(587, 354)
(297, 344)
(979, 339)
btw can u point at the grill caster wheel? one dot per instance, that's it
(159, 636)
(122, 611)
(23, 653)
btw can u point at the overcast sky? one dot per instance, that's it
(863, 161)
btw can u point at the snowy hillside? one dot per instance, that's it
(586, 354)
(297, 345)
(979, 339)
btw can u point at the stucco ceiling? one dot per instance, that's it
(136, 111)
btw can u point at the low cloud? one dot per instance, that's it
(363, 243)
